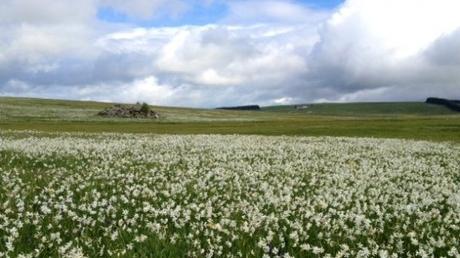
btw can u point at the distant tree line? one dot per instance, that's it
(450, 104)
(249, 107)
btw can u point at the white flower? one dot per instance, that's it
(317, 196)
(75, 252)
(141, 238)
(317, 250)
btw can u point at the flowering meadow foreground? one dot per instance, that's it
(115, 195)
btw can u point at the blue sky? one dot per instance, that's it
(196, 14)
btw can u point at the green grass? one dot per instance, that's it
(88, 187)
(409, 120)
(367, 109)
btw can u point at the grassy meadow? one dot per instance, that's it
(134, 195)
(322, 181)
(418, 121)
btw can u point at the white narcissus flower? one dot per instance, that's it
(107, 194)
(141, 238)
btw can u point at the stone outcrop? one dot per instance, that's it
(129, 111)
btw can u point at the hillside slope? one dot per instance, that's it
(366, 109)
(383, 120)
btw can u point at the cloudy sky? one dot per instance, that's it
(207, 53)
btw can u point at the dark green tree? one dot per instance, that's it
(145, 108)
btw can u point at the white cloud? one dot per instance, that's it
(212, 77)
(233, 56)
(147, 89)
(375, 44)
(46, 12)
(262, 52)
(394, 27)
(284, 101)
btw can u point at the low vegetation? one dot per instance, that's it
(130, 111)
(383, 120)
(123, 195)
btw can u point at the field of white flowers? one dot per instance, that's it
(109, 195)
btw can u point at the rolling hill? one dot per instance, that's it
(412, 120)
(366, 109)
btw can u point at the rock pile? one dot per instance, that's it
(129, 111)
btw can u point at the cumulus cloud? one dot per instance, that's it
(444, 51)
(380, 50)
(46, 12)
(202, 65)
(261, 52)
(233, 56)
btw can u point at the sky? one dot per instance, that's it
(210, 53)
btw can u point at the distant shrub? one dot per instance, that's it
(145, 108)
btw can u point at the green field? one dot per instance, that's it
(367, 109)
(409, 120)
(74, 184)
(171, 196)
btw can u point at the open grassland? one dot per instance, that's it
(367, 109)
(25, 110)
(383, 120)
(74, 184)
(122, 195)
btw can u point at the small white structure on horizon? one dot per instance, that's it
(301, 107)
